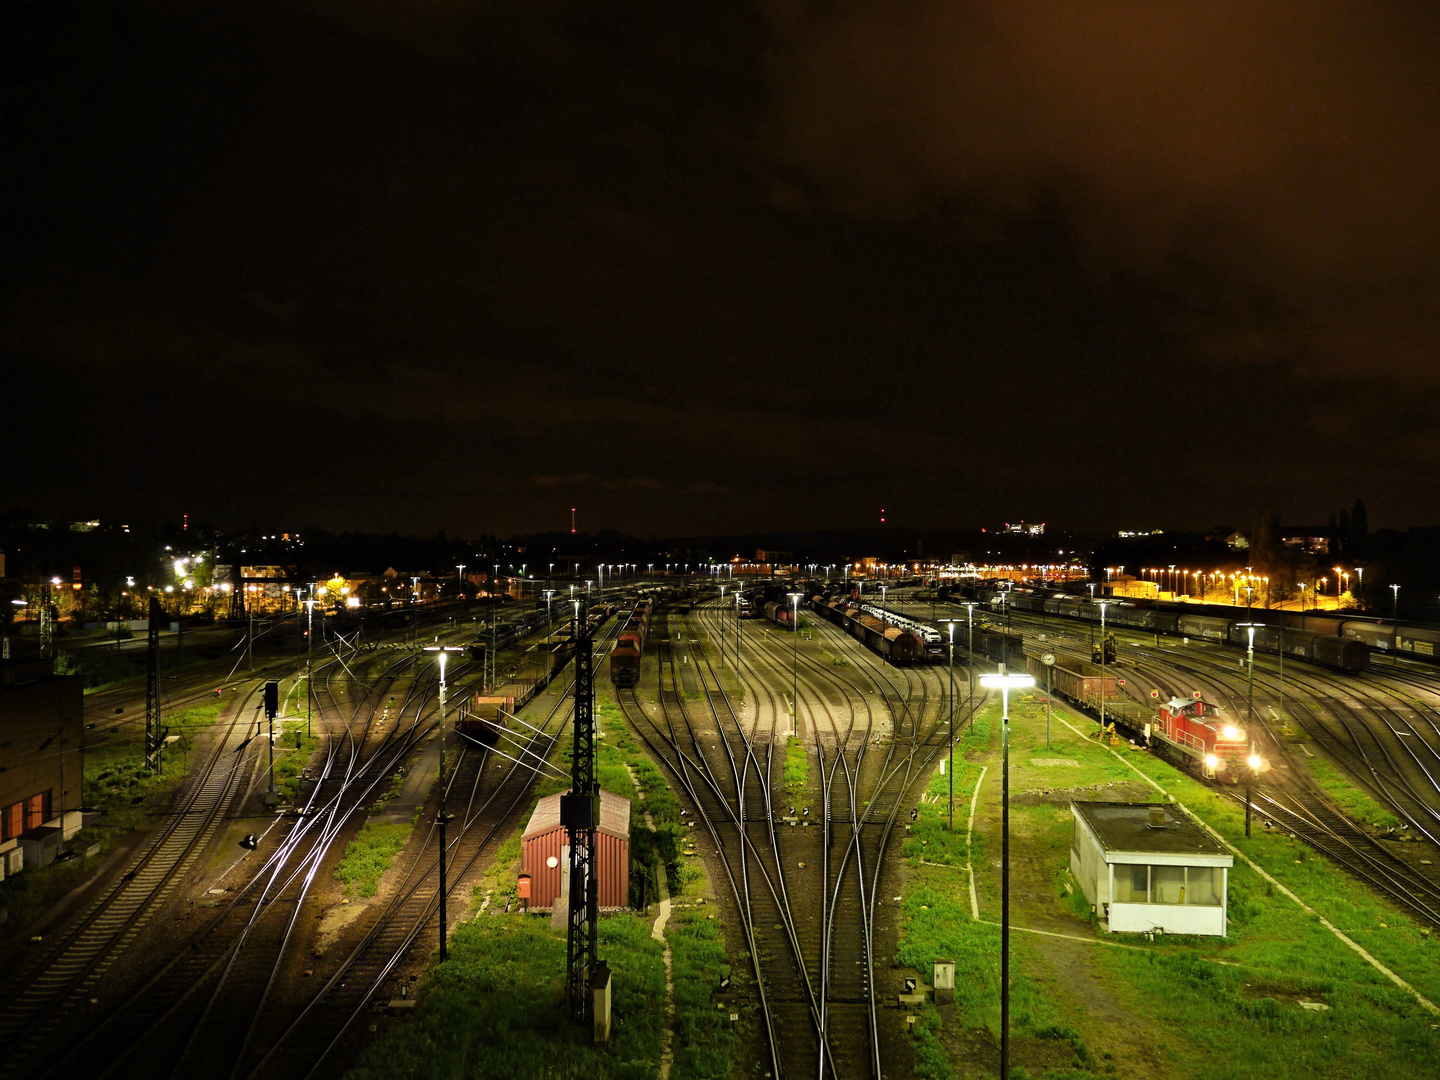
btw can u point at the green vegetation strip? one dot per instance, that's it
(293, 749)
(369, 855)
(1210, 1007)
(496, 1008)
(797, 770)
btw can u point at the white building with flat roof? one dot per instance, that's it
(1145, 867)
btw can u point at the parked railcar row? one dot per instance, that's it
(898, 645)
(1347, 654)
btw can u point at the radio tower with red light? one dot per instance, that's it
(572, 520)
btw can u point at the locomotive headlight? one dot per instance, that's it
(1255, 763)
(1211, 761)
(1230, 732)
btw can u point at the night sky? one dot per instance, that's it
(711, 268)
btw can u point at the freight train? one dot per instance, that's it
(1339, 645)
(1192, 733)
(630, 645)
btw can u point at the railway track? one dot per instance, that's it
(817, 978)
(304, 1042)
(100, 1042)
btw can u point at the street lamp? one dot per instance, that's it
(722, 626)
(795, 662)
(1004, 683)
(1394, 618)
(442, 652)
(460, 580)
(1250, 716)
(1103, 651)
(952, 623)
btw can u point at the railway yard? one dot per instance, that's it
(816, 824)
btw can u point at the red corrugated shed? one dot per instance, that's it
(545, 839)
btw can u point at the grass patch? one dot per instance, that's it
(496, 1008)
(1350, 798)
(704, 1037)
(797, 770)
(297, 748)
(117, 781)
(1232, 1004)
(369, 855)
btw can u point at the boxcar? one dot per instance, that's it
(1204, 626)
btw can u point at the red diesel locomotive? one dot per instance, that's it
(1201, 739)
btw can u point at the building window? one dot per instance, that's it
(12, 822)
(1132, 884)
(1167, 885)
(1202, 885)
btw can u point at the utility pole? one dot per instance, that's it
(494, 618)
(47, 625)
(153, 738)
(580, 814)
(1103, 652)
(952, 725)
(272, 707)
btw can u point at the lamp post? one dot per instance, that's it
(460, 580)
(952, 623)
(1394, 618)
(1102, 665)
(1005, 682)
(794, 663)
(309, 656)
(969, 607)
(442, 653)
(1250, 717)
(722, 627)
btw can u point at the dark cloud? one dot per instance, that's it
(465, 265)
(1290, 150)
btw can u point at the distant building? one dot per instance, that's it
(1311, 539)
(41, 726)
(1145, 867)
(1023, 529)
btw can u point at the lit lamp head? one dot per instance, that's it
(443, 652)
(1005, 682)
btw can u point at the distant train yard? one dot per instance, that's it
(801, 725)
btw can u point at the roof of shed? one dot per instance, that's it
(614, 815)
(1126, 827)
